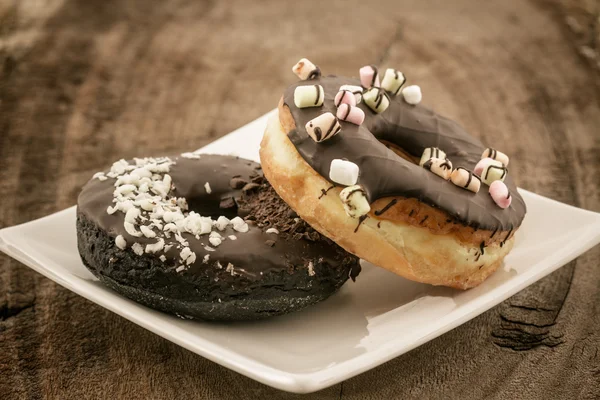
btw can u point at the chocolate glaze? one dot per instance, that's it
(249, 254)
(383, 173)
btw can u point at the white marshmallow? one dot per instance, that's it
(466, 179)
(309, 96)
(393, 81)
(305, 69)
(495, 155)
(343, 172)
(376, 99)
(431, 152)
(439, 166)
(412, 94)
(323, 127)
(355, 201)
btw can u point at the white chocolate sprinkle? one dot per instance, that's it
(230, 269)
(130, 228)
(232, 237)
(156, 247)
(100, 176)
(215, 241)
(193, 156)
(147, 231)
(185, 253)
(222, 223)
(207, 188)
(272, 230)
(138, 249)
(120, 242)
(191, 259)
(311, 269)
(239, 225)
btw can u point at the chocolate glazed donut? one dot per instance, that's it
(273, 263)
(412, 209)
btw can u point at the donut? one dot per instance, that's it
(204, 237)
(421, 224)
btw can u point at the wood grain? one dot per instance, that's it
(86, 82)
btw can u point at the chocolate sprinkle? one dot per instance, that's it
(360, 221)
(387, 207)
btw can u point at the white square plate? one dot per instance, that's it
(362, 326)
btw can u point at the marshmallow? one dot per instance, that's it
(439, 166)
(376, 99)
(306, 70)
(500, 194)
(412, 94)
(392, 81)
(355, 201)
(495, 155)
(369, 76)
(323, 127)
(350, 114)
(356, 90)
(483, 164)
(465, 179)
(309, 96)
(493, 173)
(344, 97)
(431, 152)
(343, 172)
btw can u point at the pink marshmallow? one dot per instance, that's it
(500, 194)
(351, 114)
(369, 76)
(344, 97)
(483, 164)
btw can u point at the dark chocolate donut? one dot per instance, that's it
(161, 255)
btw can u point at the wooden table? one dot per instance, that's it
(83, 83)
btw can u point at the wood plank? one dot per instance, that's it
(85, 82)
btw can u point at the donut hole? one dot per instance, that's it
(400, 151)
